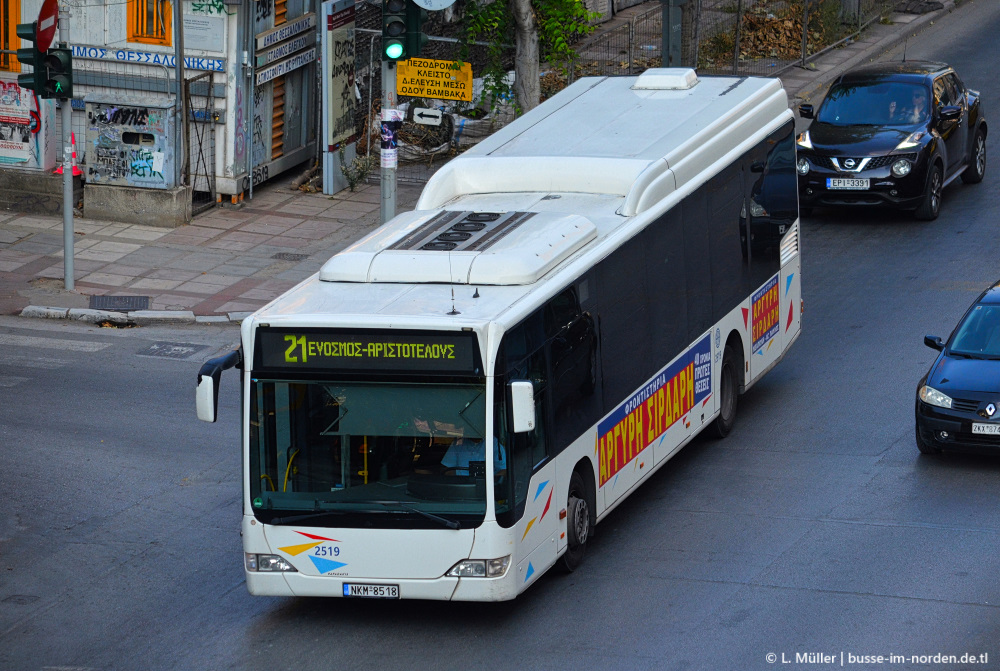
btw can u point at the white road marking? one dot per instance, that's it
(53, 343)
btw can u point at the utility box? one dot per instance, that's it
(130, 142)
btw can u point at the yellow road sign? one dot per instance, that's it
(429, 78)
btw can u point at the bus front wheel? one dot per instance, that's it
(577, 524)
(728, 395)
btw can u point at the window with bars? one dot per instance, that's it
(10, 16)
(149, 21)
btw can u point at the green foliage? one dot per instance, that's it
(558, 23)
(358, 170)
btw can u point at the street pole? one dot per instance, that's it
(66, 107)
(390, 125)
(179, 143)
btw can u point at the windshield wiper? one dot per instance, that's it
(967, 355)
(292, 519)
(444, 521)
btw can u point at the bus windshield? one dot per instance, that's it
(382, 454)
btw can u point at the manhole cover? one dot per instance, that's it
(119, 303)
(172, 350)
(289, 256)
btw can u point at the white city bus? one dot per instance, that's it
(449, 407)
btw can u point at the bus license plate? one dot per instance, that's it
(371, 591)
(988, 429)
(846, 183)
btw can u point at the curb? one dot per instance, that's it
(885, 44)
(134, 318)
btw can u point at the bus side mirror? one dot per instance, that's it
(522, 405)
(207, 394)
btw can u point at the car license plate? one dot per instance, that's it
(371, 591)
(846, 183)
(988, 429)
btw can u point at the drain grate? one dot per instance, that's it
(119, 303)
(172, 350)
(289, 256)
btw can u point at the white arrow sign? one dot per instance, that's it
(428, 117)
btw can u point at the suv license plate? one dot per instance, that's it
(988, 429)
(845, 183)
(371, 591)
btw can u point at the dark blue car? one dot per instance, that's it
(958, 400)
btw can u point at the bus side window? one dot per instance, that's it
(572, 353)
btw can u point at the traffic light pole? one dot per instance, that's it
(388, 155)
(66, 106)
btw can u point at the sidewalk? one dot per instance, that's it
(228, 263)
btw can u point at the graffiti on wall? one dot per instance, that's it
(129, 145)
(211, 7)
(263, 9)
(260, 140)
(341, 86)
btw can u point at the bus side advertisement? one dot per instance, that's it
(648, 413)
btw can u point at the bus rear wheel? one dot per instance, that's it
(728, 396)
(577, 524)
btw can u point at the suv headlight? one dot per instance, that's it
(932, 396)
(901, 168)
(804, 141)
(912, 141)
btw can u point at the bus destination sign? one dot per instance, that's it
(374, 352)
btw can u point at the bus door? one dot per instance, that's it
(525, 484)
(771, 208)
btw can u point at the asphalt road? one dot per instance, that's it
(815, 528)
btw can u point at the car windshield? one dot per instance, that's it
(876, 103)
(377, 453)
(979, 333)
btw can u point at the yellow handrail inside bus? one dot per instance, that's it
(269, 480)
(288, 468)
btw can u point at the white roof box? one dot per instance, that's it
(666, 79)
(456, 247)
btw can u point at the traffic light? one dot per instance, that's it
(58, 81)
(415, 37)
(30, 56)
(394, 14)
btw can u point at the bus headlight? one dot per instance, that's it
(479, 568)
(802, 165)
(267, 563)
(932, 396)
(901, 168)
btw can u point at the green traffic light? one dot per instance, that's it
(394, 50)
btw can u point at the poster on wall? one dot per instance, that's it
(339, 75)
(26, 127)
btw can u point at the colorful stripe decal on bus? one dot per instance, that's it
(764, 306)
(548, 503)
(655, 408)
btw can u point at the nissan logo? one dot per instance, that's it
(849, 163)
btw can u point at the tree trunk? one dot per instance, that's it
(526, 67)
(690, 18)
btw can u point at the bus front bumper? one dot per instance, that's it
(438, 589)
